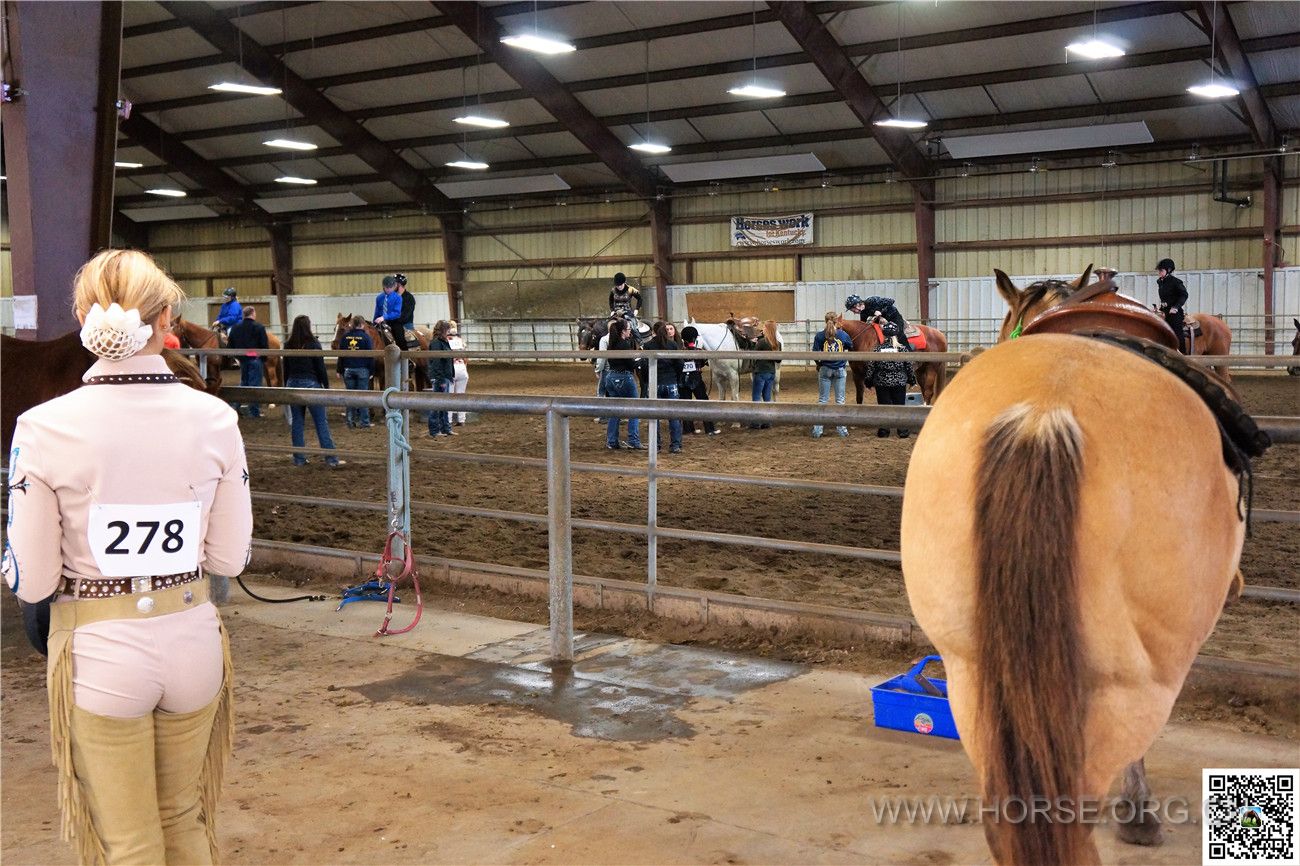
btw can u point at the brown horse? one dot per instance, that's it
(1215, 339)
(33, 371)
(931, 375)
(1041, 558)
(195, 336)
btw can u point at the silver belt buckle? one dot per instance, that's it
(141, 584)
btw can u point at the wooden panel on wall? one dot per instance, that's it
(720, 306)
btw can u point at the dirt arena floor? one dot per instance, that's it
(1251, 629)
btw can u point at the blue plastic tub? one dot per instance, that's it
(914, 703)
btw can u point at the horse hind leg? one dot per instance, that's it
(1137, 810)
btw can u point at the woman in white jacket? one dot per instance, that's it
(461, 380)
(121, 495)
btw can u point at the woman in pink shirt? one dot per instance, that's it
(122, 494)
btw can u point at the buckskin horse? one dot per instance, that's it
(931, 375)
(1048, 589)
(33, 371)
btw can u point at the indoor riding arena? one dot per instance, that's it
(979, 541)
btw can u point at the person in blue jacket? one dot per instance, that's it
(388, 310)
(231, 312)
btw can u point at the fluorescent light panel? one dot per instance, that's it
(169, 193)
(483, 121)
(304, 181)
(502, 186)
(903, 123)
(650, 147)
(1095, 49)
(252, 89)
(538, 44)
(756, 91)
(757, 166)
(168, 213)
(321, 201)
(1214, 90)
(471, 164)
(128, 164)
(290, 144)
(1048, 140)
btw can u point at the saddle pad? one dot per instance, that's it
(916, 337)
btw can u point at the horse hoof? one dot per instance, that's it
(1148, 834)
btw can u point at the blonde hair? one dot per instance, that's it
(129, 278)
(831, 328)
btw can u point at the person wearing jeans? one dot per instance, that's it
(765, 371)
(305, 372)
(249, 334)
(357, 371)
(831, 375)
(441, 374)
(620, 381)
(669, 371)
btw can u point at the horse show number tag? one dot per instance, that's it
(145, 540)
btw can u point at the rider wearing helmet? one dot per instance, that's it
(624, 298)
(231, 312)
(1173, 299)
(868, 308)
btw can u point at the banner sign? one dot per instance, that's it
(778, 231)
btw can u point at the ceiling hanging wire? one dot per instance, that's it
(898, 120)
(1214, 89)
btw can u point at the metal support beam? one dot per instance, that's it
(1215, 19)
(843, 75)
(266, 67)
(1272, 244)
(453, 262)
(481, 27)
(923, 207)
(282, 269)
(59, 138)
(661, 234)
(130, 234)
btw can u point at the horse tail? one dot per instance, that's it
(1031, 700)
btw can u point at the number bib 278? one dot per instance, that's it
(145, 540)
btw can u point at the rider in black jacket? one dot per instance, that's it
(1173, 300)
(867, 308)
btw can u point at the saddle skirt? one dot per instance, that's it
(1192, 326)
(1101, 307)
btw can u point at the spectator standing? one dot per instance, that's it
(889, 378)
(691, 383)
(765, 371)
(620, 381)
(441, 373)
(669, 370)
(304, 372)
(249, 334)
(357, 371)
(831, 373)
(459, 382)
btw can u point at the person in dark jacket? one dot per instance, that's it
(408, 304)
(249, 334)
(868, 308)
(441, 373)
(691, 382)
(765, 371)
(620, 381)
(669, 370)
(1173, 300)
(356, 372)
(889, 378)
(623, 298)
(388, 310)
(831, 373)
(304, 372)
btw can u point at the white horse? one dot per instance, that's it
(726, 373)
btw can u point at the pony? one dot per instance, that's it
(33, 371)
(195, 336)
(1066, 532)
(931, 375)
(1295, 348)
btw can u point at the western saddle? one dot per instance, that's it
(1100, 306)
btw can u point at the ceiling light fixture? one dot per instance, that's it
(128, 165)
(290, 144)
(1034, 167)
(170, 193)
(304, 181)
(1095, 49)
(1111, 161)
(646, 145)
(251, 89)
(472, 164)
(1213, 89)
(754, 90)
(538, 44)
(901, 122)
(482, 121)
(965, 170)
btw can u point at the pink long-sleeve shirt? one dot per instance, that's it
(122, 445)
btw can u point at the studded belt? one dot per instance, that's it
(88, 588)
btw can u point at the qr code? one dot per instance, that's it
(1250, 817)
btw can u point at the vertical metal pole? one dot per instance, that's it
(203, 367)
(399, 473)
(652, 493)
(559, 527)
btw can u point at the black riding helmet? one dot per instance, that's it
(1166, 265)
(690, 334)
(619, 279)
